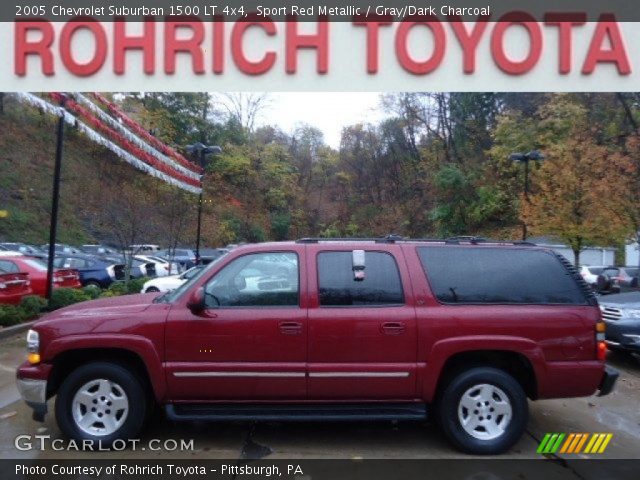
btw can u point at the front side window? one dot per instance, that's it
(337, 286)
(256, 280)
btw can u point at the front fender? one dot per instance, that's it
(141, 346)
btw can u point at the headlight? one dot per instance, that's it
(631, 313)
(33, 347)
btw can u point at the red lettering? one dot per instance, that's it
(145, 42)
(373, 29)
(251, 67)
(402, 48)
(565, 24)
(40, 47)
(218, 45)
(318, 41)
(607, 28)
(191, 45)
(510, 66)
(99, 54)
(469, 40)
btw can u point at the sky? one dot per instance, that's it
(328, 111)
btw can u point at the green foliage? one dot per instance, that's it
(280, 226)
(11, 315)
(63, 297)
(33, 305)
(91, 292)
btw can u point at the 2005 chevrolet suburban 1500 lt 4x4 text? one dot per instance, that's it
(330, 330)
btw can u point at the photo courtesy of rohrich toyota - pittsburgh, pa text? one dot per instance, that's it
(319, 240)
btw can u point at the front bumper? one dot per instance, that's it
(34, 393)
(608, 382)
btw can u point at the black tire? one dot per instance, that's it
(94, 284)
(451, 423)
(118, 374)
(152, 290)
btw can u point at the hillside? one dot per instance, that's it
(95, 185)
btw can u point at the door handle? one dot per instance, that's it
(393, 328)
(290, 328)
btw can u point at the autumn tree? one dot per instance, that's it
(567, 200)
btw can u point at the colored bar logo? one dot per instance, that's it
(574, 443)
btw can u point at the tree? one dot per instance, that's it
(567, 199)
(243, 108)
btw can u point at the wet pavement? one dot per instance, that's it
(618, 413)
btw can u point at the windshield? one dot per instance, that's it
(178, 292)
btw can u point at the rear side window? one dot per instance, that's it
(498, 276)
(337, 287)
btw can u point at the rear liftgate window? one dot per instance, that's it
(499, 276)
(381, 285)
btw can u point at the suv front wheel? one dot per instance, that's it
(101, 402)
(483, 410)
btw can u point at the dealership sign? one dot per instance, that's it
(560, 52)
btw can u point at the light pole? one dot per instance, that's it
(55, 200)
(525, 158)
(201, 150)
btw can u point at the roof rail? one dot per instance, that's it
(393, 238)
(388, 239)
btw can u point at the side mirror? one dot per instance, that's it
(196, 301)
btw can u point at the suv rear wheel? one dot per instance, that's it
(102, 402)
(483, 410)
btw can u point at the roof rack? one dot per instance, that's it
(393, 238)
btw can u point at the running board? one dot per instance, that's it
(297, 412)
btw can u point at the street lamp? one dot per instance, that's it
(201, 150)
(525, 158)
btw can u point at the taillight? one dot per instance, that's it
(601, 346)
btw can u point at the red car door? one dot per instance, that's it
(251, 342)
(362, 332)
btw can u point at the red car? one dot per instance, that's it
(37, 270)
(14, 286)
(321, 329)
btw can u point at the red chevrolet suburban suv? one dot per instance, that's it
(331, 329)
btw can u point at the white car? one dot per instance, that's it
(163, 267)
(590, 274)
(168, 283)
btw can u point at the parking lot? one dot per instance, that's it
(618, 413)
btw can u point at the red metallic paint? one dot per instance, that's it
(557, 341)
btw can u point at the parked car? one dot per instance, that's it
(161, 267)
(183, 257)
(169, 283)
(628, 278)
(617, 280)
(98, 250)
(13, 287)
(608, 281)
(23, 248)
(172, 267)
(61, 248)
(93, 271)
(144, 248)
(621, 313)
(208, 255)
(13, 262)
(384, 329)
(139, 268)
(590, 274)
